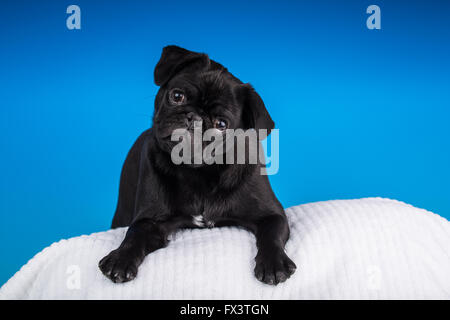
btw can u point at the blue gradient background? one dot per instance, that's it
(361, 112)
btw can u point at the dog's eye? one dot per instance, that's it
(220, 124)
(176, 97)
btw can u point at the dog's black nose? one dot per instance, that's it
(192, 119)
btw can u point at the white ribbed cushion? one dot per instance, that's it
(367, 248)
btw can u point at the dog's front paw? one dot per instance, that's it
(274, 268)
(119, 266)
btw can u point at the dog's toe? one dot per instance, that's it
(281, 276)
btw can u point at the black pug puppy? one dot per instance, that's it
(157, 197)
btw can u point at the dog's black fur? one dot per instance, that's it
(157, 197)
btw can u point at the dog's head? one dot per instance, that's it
(197, 90)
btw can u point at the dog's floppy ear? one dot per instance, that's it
(254, 113)
(175, 59)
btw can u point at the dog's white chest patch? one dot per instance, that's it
(199, 221)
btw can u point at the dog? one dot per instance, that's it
(158, 197)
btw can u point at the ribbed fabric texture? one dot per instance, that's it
(369, 248)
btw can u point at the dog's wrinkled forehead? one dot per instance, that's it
(213, 83)
(215, 86)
